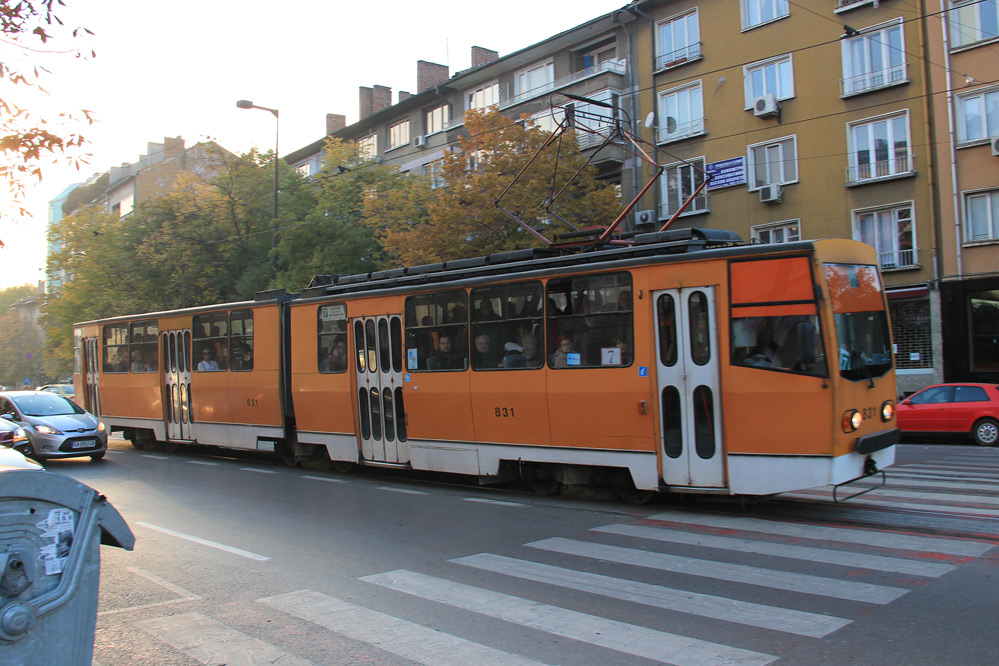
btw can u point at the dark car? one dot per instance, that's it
(13, 436)
(56, 426)
(953, 409)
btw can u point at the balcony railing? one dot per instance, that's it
(897, 259)
(897, 166)
(680, 131)
(688, 53)
(698, 205)
(844, 4)
(882, 78)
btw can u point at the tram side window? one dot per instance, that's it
(590, 321)
(783, 342)
(211, 341)
(241, 340)
(143, 347)
(115, 348)
(437, 331)
(506, 325)
(331, 334)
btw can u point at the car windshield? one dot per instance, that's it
(45, 404)
(861, 322)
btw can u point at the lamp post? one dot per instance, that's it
(247, 104)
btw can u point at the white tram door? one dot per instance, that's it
(91, 395)
(380, 409)
(691, 445)
(177, 383)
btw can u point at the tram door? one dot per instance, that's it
(379, 367)
(177, 383)
(691, 446)
(91, 395)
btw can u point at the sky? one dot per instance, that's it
(167, 69)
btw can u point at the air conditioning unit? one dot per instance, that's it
(420, 141)
(645, 216)
(995, 145)
(765, 106)
(771, 194)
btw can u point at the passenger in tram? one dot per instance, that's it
(207, 363)
(482, 355)
(624, 302)
(526, 339)
(513, 356)
(561, 356)
(446, 358)
(336, 359)
(242, 357)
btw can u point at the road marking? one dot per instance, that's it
(150, 455)
(407, 491)
(406, 639)
(916, 482)
(627, 638)
(705, 605)
(868, 501)
(184, 595)
(326, 479)
(205, 542)
(736, 573)
(951, 498)
(258, 471)
(842, 558)
(483, 500)
(202, 462)
(841, 534)
(210, 642)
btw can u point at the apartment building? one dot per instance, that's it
(963, 39)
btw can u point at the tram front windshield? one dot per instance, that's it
(862, 331)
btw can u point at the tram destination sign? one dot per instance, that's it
(727, 173)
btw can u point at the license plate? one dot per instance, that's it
(84, 444)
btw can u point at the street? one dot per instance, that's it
(241, 560)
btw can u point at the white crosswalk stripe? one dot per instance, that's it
(630, 639)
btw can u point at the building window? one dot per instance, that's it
(438, 118)
(679, 41)
(484, 97)
(773, 163)
(879, 149)
(595, 56)
(681, 113)
(367, 148)
(399, 134)
(874, 59)
(974, 21)
(891, 232)
(548, 120)
(984, 324)
(679, 181)
(773, 76)
(774, 233)
(535, 80)
(982, 215)
(434, 171)
(597, 121)
(978, 115)
(910, 333)
(758, 12)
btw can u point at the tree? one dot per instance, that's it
(20, 339)
(26, 138)
(461, 219)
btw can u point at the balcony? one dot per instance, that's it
(678, 57)
(698, 205)
(868, 81)
(842, 5)
(896, 167)
(675, 131)
(897, 259)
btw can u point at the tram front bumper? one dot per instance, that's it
(878, 441)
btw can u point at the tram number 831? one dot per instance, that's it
(504, 412)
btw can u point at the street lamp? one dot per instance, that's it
(247, 104)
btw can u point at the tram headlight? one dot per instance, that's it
(851, 420)
(887, 410)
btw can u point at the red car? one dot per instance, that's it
(953, 409)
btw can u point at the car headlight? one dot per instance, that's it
(887, 410)
(851, 420)
(100, 426)
(47, 430)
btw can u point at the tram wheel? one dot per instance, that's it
(342, 466)
(626, 490)
(287, 454)
(171, 447)
(541, 482)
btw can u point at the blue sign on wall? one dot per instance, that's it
(727, 172)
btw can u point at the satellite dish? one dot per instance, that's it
(650, 119)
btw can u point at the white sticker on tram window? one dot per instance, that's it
(412, 359)
(572, 358)
(333, 312)
(610, 356)
(643, 371)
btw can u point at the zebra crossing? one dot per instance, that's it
(695, 577)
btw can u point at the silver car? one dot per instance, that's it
(56, 427)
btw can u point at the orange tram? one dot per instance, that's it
(685, 361)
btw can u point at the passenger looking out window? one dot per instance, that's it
(437, 329)
(593, 314)
(505, 317)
